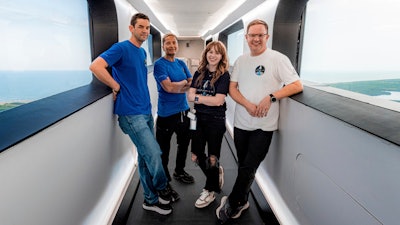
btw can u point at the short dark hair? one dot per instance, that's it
(138, 16)
(169, 35)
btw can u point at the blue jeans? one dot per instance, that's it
(140, 129)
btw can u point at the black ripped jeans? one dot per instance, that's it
(210, 130)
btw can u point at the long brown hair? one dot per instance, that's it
(223, 64)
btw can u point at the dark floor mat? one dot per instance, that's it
(184, 211)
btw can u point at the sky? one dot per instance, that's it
(353, 36)
(340, 35)
(40, 36)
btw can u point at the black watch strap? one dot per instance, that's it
(273, 99)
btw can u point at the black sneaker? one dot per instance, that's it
(224, 210)
(164, 196)
(158, 208)
(174, 195)
(238, 211)
(184, 177)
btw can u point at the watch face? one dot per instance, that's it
(273, 99)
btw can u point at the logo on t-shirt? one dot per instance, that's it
(259, 70)
(206, 89)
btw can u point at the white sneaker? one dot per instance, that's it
(205, 199)
(221, 177)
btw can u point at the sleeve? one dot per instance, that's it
(223, 84)
(287, 73)
(195, 76)
(112, 55)
(160, 71)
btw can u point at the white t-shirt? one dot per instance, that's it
(257, 77)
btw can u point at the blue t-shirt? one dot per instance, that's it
(129, 69)
(170, 103)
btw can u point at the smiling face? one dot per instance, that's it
(170, 45)
(141, 30)
(213, 58)
(257, 36)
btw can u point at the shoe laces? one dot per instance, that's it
(204, 194)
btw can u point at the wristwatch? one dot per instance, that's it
(196, 98)
(273, 99)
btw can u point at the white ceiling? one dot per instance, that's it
(194, 18)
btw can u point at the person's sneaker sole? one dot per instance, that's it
(163, 201)
(157, 209)
(164, 196)
(221, 177)
(245, 206)
(223, 201)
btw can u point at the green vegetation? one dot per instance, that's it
(7, 106)
(372, 88)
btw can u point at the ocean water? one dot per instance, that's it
(385, 85)
(384, 89)
(328, 77)
(26, 86)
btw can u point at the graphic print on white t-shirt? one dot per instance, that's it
(259, 70)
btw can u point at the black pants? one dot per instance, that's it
(251, 148)
(210, 130)
(165, 127)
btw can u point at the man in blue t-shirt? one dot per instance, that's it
(173, 80)
(128, 82)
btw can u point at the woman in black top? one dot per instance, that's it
(208, 90)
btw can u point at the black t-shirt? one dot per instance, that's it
(221, 86)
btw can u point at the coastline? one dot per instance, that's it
(9, 105)
(14, 102)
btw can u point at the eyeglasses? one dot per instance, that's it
(256, 35)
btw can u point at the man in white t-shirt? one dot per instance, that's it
(259, 80)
